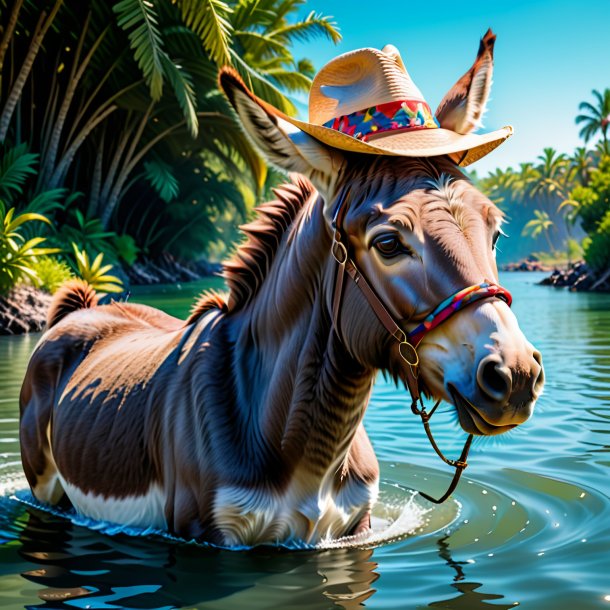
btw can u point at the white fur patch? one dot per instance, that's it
(250, 516)
(144, 511)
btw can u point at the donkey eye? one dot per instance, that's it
(389, 246)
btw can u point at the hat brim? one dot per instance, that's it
(464, 149)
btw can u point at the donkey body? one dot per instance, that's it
(233, 428)
(244, 423)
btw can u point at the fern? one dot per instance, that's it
(16, 166)
(162, 179)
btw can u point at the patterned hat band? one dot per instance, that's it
(400, 115)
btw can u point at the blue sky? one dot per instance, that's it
(549, 55)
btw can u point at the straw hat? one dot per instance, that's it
(365, 101)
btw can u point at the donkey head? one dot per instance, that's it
(419, 231)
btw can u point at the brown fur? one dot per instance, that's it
(246, 271)
(73, 295)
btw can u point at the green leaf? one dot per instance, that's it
(209, 19)
(162, 179)
(315, 24)
(140, 20)
(16, 166)
(182, 85)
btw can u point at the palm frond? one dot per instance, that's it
(289, 80)
(315, 24)
(140, 20)
(262, 87)
(15, 167)
(182, 85)
(161, 177)
(209, 19)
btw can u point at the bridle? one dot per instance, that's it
(408, 342)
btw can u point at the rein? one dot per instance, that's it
(408, 342)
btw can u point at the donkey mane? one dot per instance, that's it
(246, 270)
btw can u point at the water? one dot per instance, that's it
(529, 524)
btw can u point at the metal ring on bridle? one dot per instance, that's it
(339, 247)
(408, 353)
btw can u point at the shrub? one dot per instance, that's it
(126, 248)
(597, 246)
(52, 273)
(18, 255)
(94, 273)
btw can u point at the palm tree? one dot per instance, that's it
(119, 100)
(540, 224)
(581, 163)
(595, 117)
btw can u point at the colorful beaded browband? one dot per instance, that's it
(401, 115)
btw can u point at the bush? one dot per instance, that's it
(594, 211)
(52, 273)
(126, 248)
(597, 246)
(94, 273)
(18, 255)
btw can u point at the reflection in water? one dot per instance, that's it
(83, 569)
(469, 598)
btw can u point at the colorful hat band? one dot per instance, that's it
(401, 115)
(454, 303)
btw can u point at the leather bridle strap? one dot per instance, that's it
(408, 343)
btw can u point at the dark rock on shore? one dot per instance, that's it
(23, 310)
(579, 277)
(166, 269)
(529, 264)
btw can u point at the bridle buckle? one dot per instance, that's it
(339, 251)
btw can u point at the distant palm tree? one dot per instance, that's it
(595, 117)
(581, 163)
(550, 180)
(540, 224)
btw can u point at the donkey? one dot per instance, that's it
(243, 424)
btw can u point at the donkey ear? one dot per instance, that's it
(462, 108)
(281, 143)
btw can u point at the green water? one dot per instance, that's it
(533, 528)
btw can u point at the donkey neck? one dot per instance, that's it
(301, 389)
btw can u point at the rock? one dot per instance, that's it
(166, 269)
(531, 263)
(578, 277)
(23, 310)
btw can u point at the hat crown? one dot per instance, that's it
(358, 80)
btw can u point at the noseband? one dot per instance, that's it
(408, 342)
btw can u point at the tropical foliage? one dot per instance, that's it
(17, 253)
(51, 273)
(95, 273)
(595, 117)
(560, 204)
(592, 207)
(111, 123)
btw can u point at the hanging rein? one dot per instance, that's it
(408, 342)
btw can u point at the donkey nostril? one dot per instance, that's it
(494, 379)
(539, 379)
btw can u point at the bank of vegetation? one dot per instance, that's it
(115, 140)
